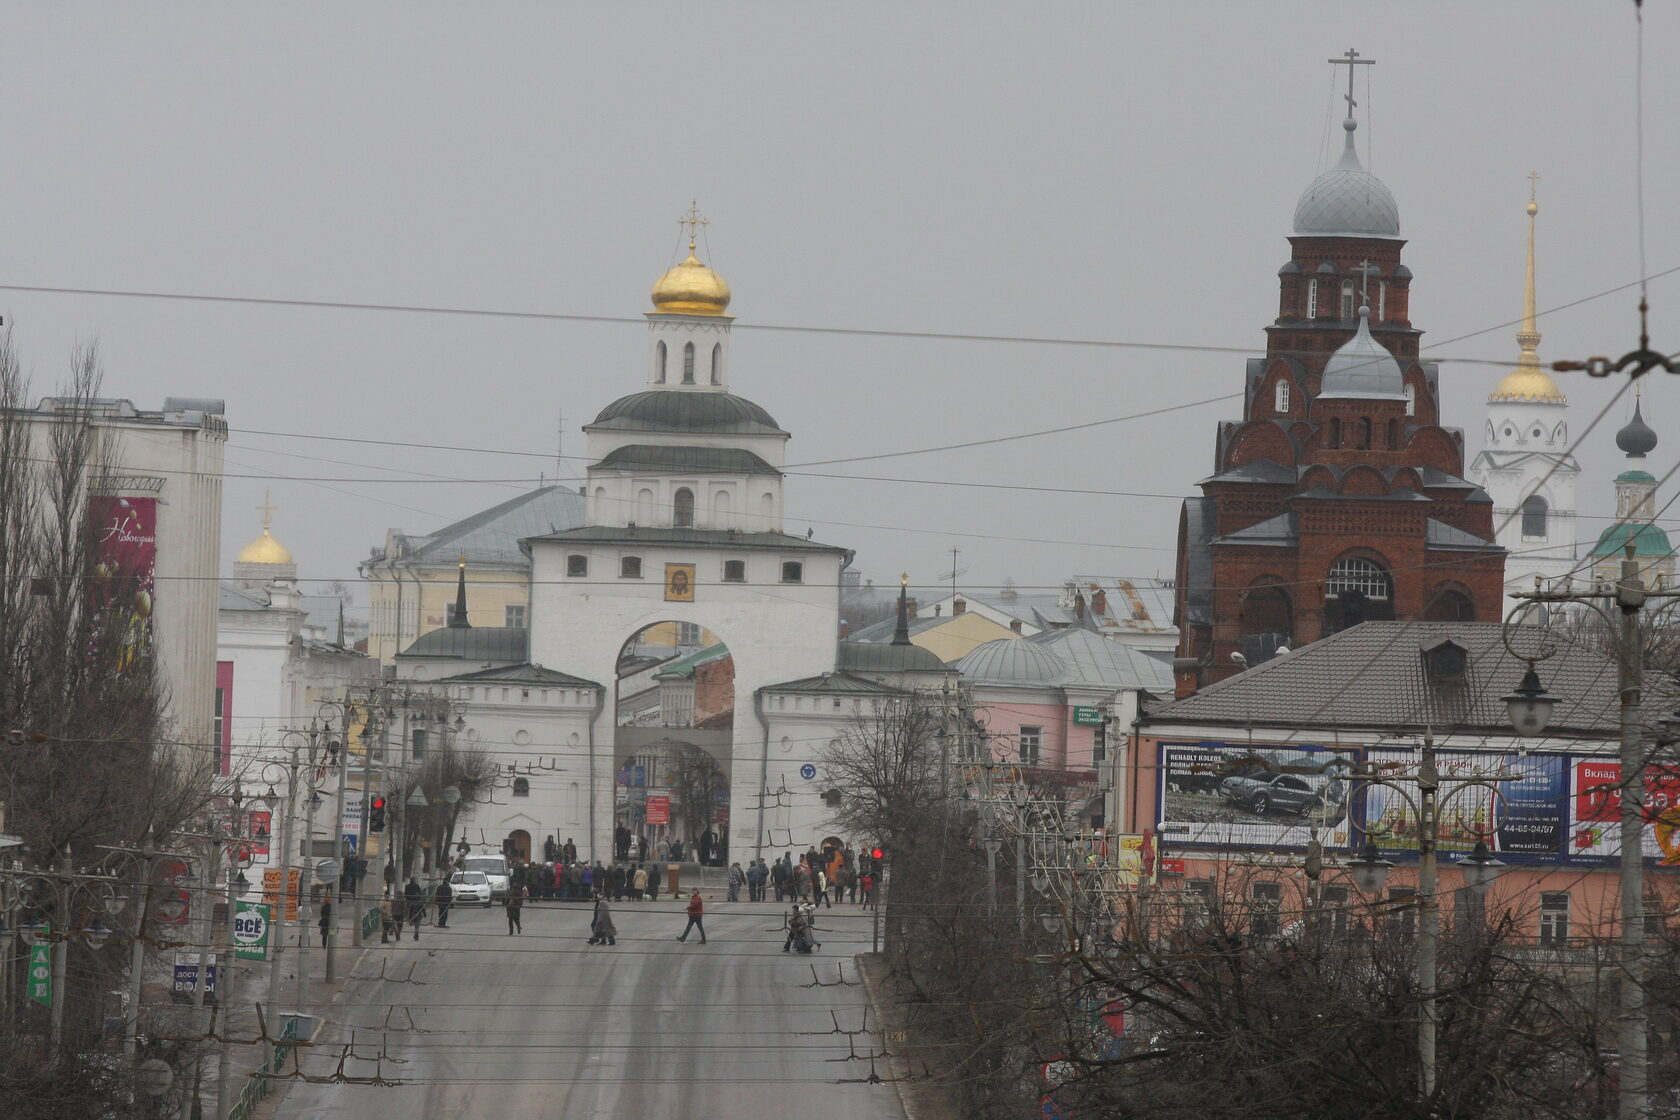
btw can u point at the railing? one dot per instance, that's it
(257, 1086)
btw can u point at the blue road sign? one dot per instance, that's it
(807, 771)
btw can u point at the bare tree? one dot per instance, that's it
(888, 768)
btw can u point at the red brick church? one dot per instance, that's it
(1338, 498)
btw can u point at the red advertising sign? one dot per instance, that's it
(125, 533)
(1598, 794)
(659, 808)
(271, 891)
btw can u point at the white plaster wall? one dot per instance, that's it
(1549, 470)
(775, 631)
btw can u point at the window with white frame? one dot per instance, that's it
(688, 634)
(1347, 299)
(1554, 917)
(1280, 397)
(1312, 299)
(630, 567)
(1355, 573)
(513, 616)
(1031, 743)
(793, 571)
(734, 571)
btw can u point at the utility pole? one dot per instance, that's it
(313, 802)
(61, 949)
(362, 829)
(137, 956)
(337, 919)
(1628, 596)
(277, 942)
(224, 998)
(1429, 914)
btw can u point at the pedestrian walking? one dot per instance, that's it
(601, 928)
(819, 889)
(696, 914)
(326, 918)
(778, 879)
(638, 884)
(736, 878)
(866, 884)
(444, 896)
(385, 917)
(414, 900)
(515, 908)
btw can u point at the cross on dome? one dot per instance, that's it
(1350, 60)
(693, 221)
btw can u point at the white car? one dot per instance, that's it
(494, 868)
(471, 888)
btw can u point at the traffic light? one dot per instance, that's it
(876, 854)
(376, 815)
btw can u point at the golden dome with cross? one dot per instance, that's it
(265, 549)
(691, 288)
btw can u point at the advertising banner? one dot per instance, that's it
(1595, 801)
(40, 969)
(1464, 817)
(125, 535)
(659, 808)
(1135, 862)
(350, 816)
(1252, 795)
(185, 978)
(250, 930)
(271, 891)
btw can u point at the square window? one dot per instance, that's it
(793, 571)
(577, 565)
(513, 616)
(734, 571)
(630, 567)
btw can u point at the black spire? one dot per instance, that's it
(459, 620)
(901, 632)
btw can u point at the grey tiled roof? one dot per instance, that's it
(472, 643)
(1440, 535)
(1265, 471)
(1102, 662)
(700, 460)
(1275, 531)
(880, 657)
(493, 535)
(705, 538)
(686, 410)
(842, 684)
(522, 674)
(1371, 676)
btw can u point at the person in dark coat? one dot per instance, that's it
(326, 918)
(414, 902)
(515, 910)
(444, 896)
(601, 928)
(778, 879)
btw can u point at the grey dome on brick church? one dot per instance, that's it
(1347, 200)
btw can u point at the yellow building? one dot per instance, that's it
(412, 579)
(946, 636)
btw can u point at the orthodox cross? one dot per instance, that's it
(1350, 60)
(694, 221)
(1365, 271)
(1533, 178)
(266, 510)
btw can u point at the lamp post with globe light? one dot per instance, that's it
(1529, 707)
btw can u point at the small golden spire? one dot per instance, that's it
(693, 221)
(1529, 382)
(267, 510)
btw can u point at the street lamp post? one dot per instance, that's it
(1370, 873)
(1529, 708)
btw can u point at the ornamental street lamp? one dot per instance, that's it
(1529, 705)
(1370, 870)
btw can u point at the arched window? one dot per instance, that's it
(1382, 302)
(659, 363)
(767, 509)
(682, 508)
(1355, 574)
(1347, 299)
(1335, 432)
(644, 506)
(717, 363)
(1280, 397)
(1411, 400)
(1312, 299)
(1534, 511)
(1364, 433)
(720, 510)
(1394, 435)
(688, 363)
(522, 787)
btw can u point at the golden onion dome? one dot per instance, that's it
(690, 289)
(264, 550)
(1528, 383)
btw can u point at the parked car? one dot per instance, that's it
(1263, 791)
(471, 888)
(494, 868)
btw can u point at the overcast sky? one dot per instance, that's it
(1117, 172)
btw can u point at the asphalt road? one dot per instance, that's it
(545, 1025)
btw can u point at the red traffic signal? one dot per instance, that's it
(876, 854)
(376, 815)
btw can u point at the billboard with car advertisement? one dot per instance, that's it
(1553, 809)
(1252, 795)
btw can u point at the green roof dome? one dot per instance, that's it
(1636, 476)
(1648, 540)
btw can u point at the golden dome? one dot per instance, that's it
(264, 550)
(1528, 383)
(690, 289)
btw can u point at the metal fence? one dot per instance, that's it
(257, 1086)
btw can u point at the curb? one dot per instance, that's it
(920, 1100)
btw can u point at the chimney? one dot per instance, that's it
(1015, 625)
(1099, 602)
(845, 630)
(958, 606)
(1079, 604)
(910, 609)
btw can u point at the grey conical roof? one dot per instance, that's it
(1347, 201)
(1363, 367)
